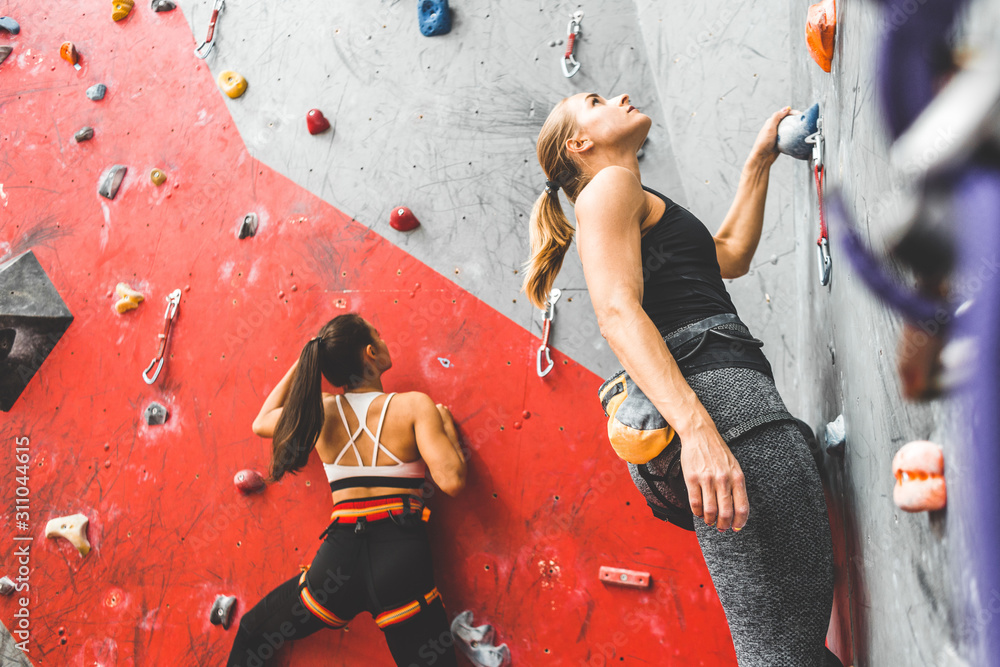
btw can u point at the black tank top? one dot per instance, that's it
(680, 270)
(682, 283)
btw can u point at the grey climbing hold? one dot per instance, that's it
(163, 5)
(10, 25)
(836, 437)
(248, 227)
(97, 92)
(222, 610)
(6, 586)
(111, 181)
(476, 642)
(155, 414)
(444, 362)
(5, 51)
(793, 130)
(84, 134)
(34, 315)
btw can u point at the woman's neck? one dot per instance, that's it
(367, 387)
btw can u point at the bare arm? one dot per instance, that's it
(438, 444)
(737, 238)
(266, 421)
(608, 213)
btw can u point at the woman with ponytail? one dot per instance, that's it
(376, 555)
(694, 412)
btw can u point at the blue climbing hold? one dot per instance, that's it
(793, 130)
(435, 17)
(11, 26)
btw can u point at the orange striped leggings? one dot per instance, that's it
(384, 568)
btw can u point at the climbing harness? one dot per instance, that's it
(569, 64)
(543, 350)
(201, 51)
(825, 263)
(173, 300)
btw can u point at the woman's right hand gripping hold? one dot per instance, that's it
(611, 212)
(437, 440)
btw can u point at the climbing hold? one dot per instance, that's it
(526, 414)
(434, 17)
(68, 52)
(821, 28)
(620, 577)
(73, 528)
(232, 84)
(836, 437)
(248, 227)
(155, 414)
(97, 92)
(316, 121)
(84, 134)
(517, 426)
(111, 181)
(444, 362)
(158, 177)
(6, 586)
(403, 220)
(919, 471)
(222, 610)
(4, 52)
(163, 5)
(10, 25)
(31, 310)
(120, 9)
(128, 298)
(793, 130)
(249, 481)
(476, 642)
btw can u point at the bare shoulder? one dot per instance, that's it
(612, 188)
(415, 402)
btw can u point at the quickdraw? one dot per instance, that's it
(824, 261)
(543, 350)
(201, 51)
(569, 64)
(173, 300)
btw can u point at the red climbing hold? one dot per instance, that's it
(919, 471)
(403, 220)
(316, 121)
(249, 481)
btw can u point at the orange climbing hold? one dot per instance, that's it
(69, 53)
(821, 28)
(232, 84)
(919, 471)
(128, 298)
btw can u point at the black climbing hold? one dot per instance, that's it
(222, 610)
(155, 414)
(435, 17)
(97, 92)
(248, 227)
(84, 134)
(111, 181)
(163, 5)
(34, 318)
(5, 51)
(10, 25)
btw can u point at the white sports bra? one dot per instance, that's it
(408, 475)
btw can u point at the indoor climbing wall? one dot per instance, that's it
(158, 528)
(446, 126)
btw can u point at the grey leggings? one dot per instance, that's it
(775, 577)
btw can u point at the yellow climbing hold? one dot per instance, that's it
(121, 9)
(128, 298)
(232, 84)
(158, 177)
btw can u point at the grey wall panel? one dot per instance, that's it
(445, 125)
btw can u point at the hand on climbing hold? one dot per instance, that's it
(765, 148)
(716, 488)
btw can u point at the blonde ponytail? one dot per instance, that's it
(551, 233)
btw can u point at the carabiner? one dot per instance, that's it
(210, 40)
(173, 300)
(825, 263)
(547, 315)
(569, 64)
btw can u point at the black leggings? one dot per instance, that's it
(377, 569)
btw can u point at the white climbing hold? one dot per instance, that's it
(73, 528)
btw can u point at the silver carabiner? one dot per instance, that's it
(173, 300)
(825, 263)
(547, 315)
(210, 39)
(569, 64)
(819, 144)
